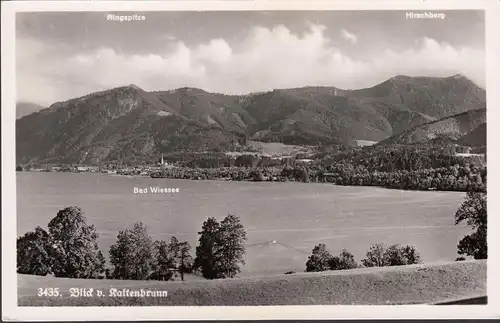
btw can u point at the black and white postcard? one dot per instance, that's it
(218, 159)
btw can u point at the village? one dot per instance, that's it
(111, 169)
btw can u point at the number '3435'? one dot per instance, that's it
(50, 292)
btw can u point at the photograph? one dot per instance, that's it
(186, 158)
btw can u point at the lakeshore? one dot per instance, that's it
(451, 178)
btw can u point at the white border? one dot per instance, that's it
(9, 279)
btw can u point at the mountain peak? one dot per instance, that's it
(191, 89)
(135, 87)
(401, 77)
(458, 76)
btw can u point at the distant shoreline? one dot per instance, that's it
(252, 181)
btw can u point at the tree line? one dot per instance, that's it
(389, 158)
(382, 158)
(379, 255)
(472, 211)
(70, 249)
(467, 178)
(411, 167)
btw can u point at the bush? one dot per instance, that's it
(75, 251)
(381, 255)
(460, 259)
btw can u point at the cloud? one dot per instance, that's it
(348, 36)
(263, 60)
(217, 51)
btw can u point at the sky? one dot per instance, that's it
(62, 55)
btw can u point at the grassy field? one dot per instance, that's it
(415, 284)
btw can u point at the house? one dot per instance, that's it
(304, 160)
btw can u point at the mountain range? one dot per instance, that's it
(129, 124)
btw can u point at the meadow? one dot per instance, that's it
(413, 284)
(284, 221)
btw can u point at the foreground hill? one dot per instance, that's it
(414, 284)
(467, 128)
(128, 124)
(26, 108)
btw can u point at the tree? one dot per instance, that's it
(207, 251)
(33, 253)
(320, 259)
(221, 248)
(132, 255)
(256, 175)
(375, 256)
(411, 255)
(381, 255)
(233, 237)
(393, 256)
(142, 251)
(302, 174)
(473, 211)
(179, 254)
(184, 258)
(163, 262)
(101, 265)
(474, 245)
(346, 261)
(173, 250)
(74, 245)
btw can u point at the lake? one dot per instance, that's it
(284, 221)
